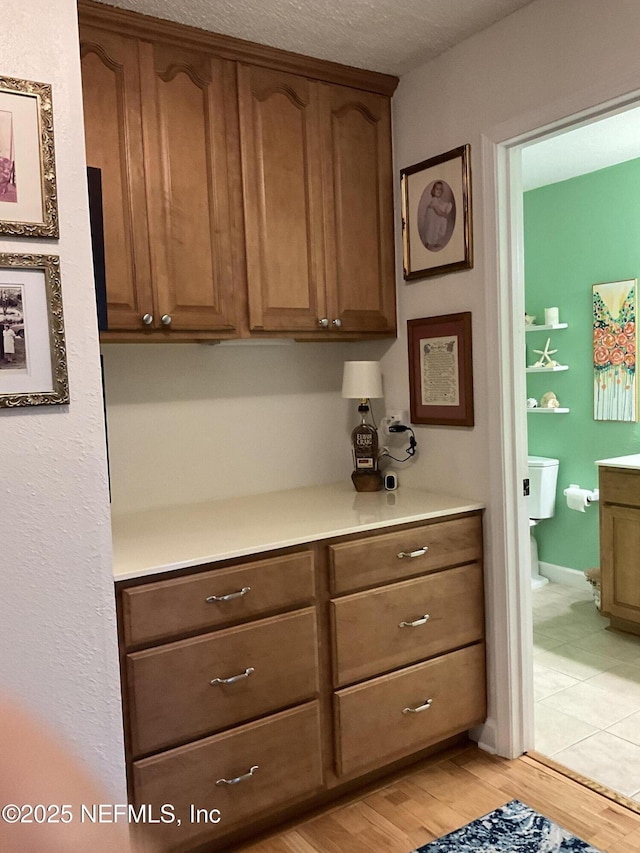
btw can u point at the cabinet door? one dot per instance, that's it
(282, 199)
(184, 120)
(357, 167)
(113, 135)
(620, 563)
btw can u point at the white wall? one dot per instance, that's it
(546, 61)
(57, 628)
(193, 422)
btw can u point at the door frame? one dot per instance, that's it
(509, 730)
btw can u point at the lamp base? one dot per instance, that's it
(367, 481)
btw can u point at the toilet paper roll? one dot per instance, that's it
(579, 499)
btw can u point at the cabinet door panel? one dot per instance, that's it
(113, 135)
(620, 547)
(282, 199)
(359, 208)
(185, 137)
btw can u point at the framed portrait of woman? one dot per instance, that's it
(436, 215)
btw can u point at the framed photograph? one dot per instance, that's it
(436, 215)
(615, 343)
(28, 198)
(441, 370)
(33, 360)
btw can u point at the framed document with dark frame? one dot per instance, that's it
(33, 360)
(436, 215)
(28, 197)
(441, 370)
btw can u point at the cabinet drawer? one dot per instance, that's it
(172, 699)
(369, 634)
(619, 486)
(284, 749)
(220, 597)
(377, 559)
(373, 727)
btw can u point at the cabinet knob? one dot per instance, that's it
(147, 319)
(166, 319)
(324, 323)
(336, 323)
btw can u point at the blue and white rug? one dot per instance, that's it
(513, 828)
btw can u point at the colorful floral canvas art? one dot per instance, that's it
(615, 392)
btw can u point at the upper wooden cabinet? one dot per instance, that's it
(113, 134)
(239, 198)
(155, 125)
(316, 168)
(358, 209)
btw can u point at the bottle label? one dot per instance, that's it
(364, 463)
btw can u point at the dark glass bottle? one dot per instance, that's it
(364, 442)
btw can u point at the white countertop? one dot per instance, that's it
(162, 540)
(632, 461)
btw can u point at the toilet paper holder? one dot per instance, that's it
(579, 498)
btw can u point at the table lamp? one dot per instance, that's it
(362, 381)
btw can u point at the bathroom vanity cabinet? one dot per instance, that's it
(620, 543)
(267, 684)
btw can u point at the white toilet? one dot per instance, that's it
(543, 480)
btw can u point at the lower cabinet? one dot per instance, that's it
(620, 546)
(275, 682)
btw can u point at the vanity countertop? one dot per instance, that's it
(177, 537)
(632, 461)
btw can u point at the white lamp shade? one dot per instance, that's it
(362, 380)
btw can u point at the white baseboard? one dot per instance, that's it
(563, 575)
(485, 736)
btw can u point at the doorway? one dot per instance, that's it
(513, 648)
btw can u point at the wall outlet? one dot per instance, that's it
(393, 416)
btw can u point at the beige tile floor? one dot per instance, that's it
(587, 689)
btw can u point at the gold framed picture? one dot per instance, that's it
(28, 197)
(436, 215)
(33, 360)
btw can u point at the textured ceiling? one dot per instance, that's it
(390, 36)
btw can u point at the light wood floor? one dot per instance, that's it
(448, 791)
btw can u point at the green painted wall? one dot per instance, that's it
(577, 233)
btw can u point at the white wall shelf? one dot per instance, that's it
(547, 369)
(546, 411)
(551, 327)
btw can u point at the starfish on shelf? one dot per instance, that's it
(545, 359)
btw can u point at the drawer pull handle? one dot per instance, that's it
(420, 708)
(238, 778)
(419, 553)
(233, 678)
(229, 596)
(421, 621)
